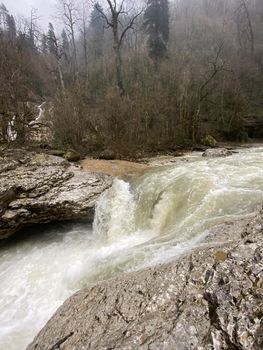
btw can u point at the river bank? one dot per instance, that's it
(147, 160)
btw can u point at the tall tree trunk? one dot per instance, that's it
(74, 51)
(118, 59)
(119, 75)
(61, 78)
(250, 28)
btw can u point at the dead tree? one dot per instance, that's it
(119, 30)
(68, 11)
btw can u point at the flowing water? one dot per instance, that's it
(144, 220)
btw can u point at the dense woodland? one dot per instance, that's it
(133, 75)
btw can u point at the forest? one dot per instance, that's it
(132, 76)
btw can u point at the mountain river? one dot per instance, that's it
(143, 220)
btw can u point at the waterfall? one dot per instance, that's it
(11, 132)
(180, 203)
(115, 211)
(40, 114)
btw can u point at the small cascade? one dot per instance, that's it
(11, 129)
(40, 114)
(115, 212)
(181, 202)
(11, 132)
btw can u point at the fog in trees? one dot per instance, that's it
(134, 75)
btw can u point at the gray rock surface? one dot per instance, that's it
(39, 188)
(217, 152)
(210, 299)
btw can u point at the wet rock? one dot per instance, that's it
(107, 155)
(45, 188)
(218, 152)
(72, 156)
(189, 304)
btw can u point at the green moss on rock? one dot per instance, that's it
(72, 156)
(209, 141)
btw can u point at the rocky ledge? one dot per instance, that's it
(39, 188)
(210, 299)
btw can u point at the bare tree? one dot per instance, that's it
(69, 13)
(217, 65)
(83, 14)
(245, 28)
(33, 28)
(114, 21)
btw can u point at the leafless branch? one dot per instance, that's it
(130, 26)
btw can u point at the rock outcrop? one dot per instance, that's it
(210, 299)
(39, 188)
(217, 152)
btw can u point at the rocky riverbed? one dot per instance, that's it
(40, 188)
(209, 299)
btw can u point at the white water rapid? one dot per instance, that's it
(141, 221)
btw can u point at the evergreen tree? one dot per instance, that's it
(11, 27)
(3, 16)
(65, 45)
(156, 25)
(3, 9)
(44, 47)
(52, 42)
(31, 39)
(97, 25)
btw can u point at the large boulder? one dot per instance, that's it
(72, 156)
(107, 155)
(39, 188)
(217, 152)
(210, 299)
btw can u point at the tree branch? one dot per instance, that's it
(104, 16)
(130, 25)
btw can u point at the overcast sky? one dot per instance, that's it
(46, 9)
